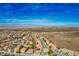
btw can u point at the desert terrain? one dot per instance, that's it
(39, 42)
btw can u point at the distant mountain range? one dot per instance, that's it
(24, 26)
(12, 26)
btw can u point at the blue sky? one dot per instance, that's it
(40, 14)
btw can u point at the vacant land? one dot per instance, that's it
(39, 41)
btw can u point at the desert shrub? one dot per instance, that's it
(66, 54)
(50, 52)
(33, 45)
(18, 51)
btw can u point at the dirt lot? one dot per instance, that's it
(69, 40)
